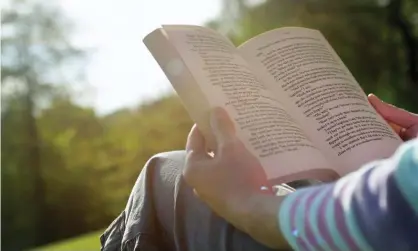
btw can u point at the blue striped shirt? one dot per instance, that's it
(374, 208)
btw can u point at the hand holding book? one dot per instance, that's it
(404, 123)
(229, 182)
(289, 95)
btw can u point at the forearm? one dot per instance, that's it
(259, 219)
(256, 215)
(373, 208)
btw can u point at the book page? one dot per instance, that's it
(302, 68)
(262, 122)
(180, 77)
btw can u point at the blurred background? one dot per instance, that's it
(84, 104)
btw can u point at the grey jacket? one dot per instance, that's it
(162, 214)
(137, 228)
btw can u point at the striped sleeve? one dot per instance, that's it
(374, 208)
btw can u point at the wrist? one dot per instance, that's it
(256, 206)
(257, 215)
(245, 200)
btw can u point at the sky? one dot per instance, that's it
(121, 72)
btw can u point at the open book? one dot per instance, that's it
(294, 103)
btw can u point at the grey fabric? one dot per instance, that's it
(162, 214)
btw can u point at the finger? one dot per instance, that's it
(195, 171)
(222, 126)
(392, 113)
(195, 140)
(396, 128)
(195, 145)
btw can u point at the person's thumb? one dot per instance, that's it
(195, 144)
(195, 167)
(222, 126)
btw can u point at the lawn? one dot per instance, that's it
(87, 242)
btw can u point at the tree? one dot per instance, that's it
(376, 39)
(35, 47)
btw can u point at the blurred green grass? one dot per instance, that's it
(86, 242)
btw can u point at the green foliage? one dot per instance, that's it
(370, 38)
(87, 242)
(34, 48)
(67, 170)
(89, 162)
